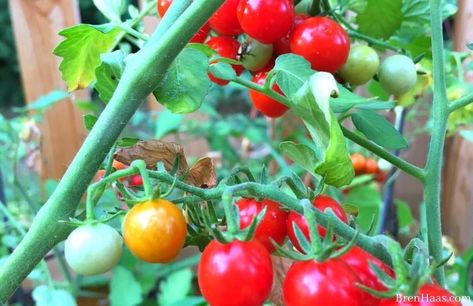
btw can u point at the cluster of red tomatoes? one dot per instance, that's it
(271, 28)
(366, 165)
(132, 181)
(243, 270)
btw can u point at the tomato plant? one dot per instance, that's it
(273, 224)
(266, 20)
(326, 283)
(155, 231)
(93, 249)
(235, 273)
(322, 203)
(268, 106)
(321, 41)
(306, 152)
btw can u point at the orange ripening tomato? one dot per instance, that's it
(155, 231)
(371, 166)
(358, 162)
(118, 165)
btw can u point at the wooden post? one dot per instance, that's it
(36, 24)
(457, 195)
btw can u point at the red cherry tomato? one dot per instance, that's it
(235, 274)
(266, 20)
(199, 37)
(321, 41)
(135, 180)
(224, 21)
(428, 295)
(268, 106)
(329, 283)
(380, 176)
(273, 224)
(358, 162)
(283, 45)
(322, 203)
(371, 166)
(358, 260)
(225, 47)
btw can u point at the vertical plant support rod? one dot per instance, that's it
(433, 178)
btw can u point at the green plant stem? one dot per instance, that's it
(459, 103)
(141, 76)
(273, 192)
(388, 156)
(439, 116)
(373, 41)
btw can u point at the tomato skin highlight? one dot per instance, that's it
(238, 273)
(266, 105)
(329, 283)
(273, 224)
(199, 37)
(155, 231)
(93, 249)
(224, 21)
(322, 42)
(431, 293)
(225, 47)
(321, 202)
(266, 20)
(358, 260)
(283, 45)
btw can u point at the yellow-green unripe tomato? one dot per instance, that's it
(397, 74)
(93, 249)
(361, 65)
(255, 55)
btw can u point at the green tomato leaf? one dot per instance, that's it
(127, 142)
(186, 83)
(381, 18)
(47, 296)
(175, 288)
(378, 129)
(302, 154)
(108, 74)
(124, 289)
(291, 71)
(81, 52)
(347, 100)
(470, 46)
(311, 104)
(89, 121)
(222, 71)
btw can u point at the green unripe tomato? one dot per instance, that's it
(397, 74)
(361, 66)
(255, 55)
(93, 249)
